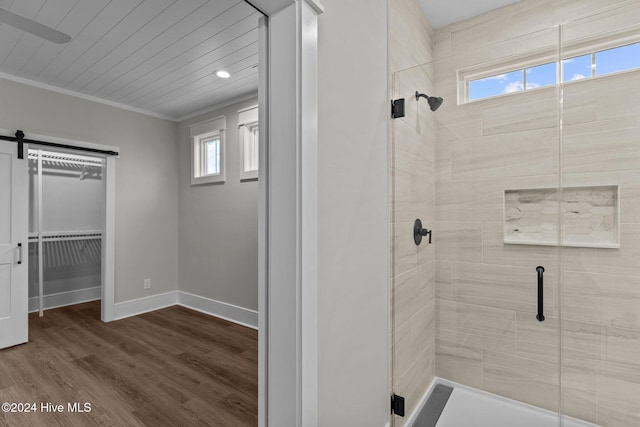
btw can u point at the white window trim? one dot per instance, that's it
(247, 124)
(201, 132)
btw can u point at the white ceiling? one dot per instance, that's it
(441, 13)
(153, 55)
(158, 56)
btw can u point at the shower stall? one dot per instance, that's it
(523, 297)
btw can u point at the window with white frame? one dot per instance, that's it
(208, 152)
(611, 57)
(249, 141)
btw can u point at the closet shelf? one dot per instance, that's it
(66, 159)
(58, 236)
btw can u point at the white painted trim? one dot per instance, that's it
(144, 305)
(291, 248)
(126, 107)
(244, 110)
(284, 392)
(217, 107)
(109, 241)
(233, 313)
(317, 7)
(62, 299)
(208, 127)
(68, 92)
(263, 222)
(308, 208)
(248, 122)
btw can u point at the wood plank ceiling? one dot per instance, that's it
(154, 55)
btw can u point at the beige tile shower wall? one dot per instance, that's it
(487, 335)
(410, 35)
(601, 307)
(412, 170)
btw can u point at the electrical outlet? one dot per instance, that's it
(147, 283)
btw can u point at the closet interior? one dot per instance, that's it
(66, 206)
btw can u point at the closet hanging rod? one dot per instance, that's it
(20, 139)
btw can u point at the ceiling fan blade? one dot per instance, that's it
(33, 27)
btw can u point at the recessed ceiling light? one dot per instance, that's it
(223, 74)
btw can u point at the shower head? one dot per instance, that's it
(434, 102)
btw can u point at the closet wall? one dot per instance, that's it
(71, 201)
(146, 202)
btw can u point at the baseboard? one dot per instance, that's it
(145, 304)
(62, 299)
(223, 310)
(233, 313)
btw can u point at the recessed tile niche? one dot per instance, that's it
(590, 216)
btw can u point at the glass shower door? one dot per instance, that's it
(481, 172)
(600, 298)
(413, 265)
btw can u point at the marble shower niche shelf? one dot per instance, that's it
(591, 216)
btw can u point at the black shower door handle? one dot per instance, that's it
(540, 315)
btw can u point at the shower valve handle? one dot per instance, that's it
(419, 232)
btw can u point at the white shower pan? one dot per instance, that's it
(470, 407)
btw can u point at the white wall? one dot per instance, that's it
(68, 203)
(219, 223)
(353, 214)
(147, 177)
(217, 234)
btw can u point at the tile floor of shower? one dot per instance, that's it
(470, 407)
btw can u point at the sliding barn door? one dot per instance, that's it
(13, 246)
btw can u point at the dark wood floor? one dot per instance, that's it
(173, 367)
